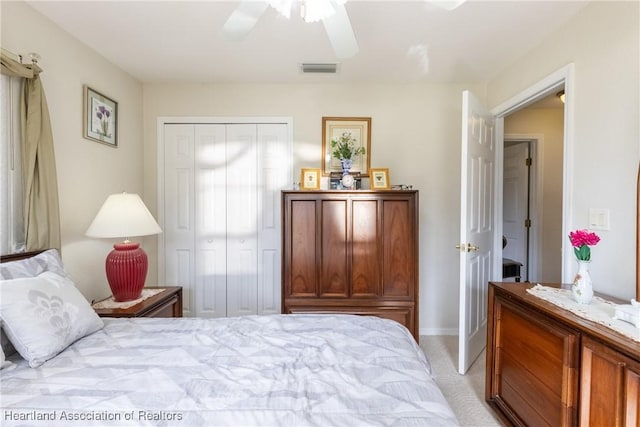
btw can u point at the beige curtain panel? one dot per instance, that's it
(41, 209)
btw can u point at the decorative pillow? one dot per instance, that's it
(5, 344)
(43, 315)
(48, 260)
(3, 362)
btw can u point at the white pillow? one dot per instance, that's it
(5, 344)
(48, 260)
(3, 362)
(43, 315)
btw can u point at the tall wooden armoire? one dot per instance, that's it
(351, 252)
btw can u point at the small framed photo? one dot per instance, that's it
(100, 117)
(379, 178)
(310, 179)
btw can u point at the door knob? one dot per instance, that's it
(468, 247)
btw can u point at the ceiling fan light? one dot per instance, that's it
(283, 7)
(317, 10)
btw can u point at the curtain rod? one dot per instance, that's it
(32, 55)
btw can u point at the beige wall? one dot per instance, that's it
(548, 124)
(415, 133)
(87, 171)
(603, 43)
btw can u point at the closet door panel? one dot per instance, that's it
(242, 220)
(221, 205)
(211, 217)
(179, 217)
(274, 174)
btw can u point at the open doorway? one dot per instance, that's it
(480, 260)
(532, 191)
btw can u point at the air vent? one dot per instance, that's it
(319, 68)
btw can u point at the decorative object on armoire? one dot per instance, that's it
(344, 139)
(379, 178)
(310, 179)
(346, 147)
(337, 181)
(581, 240)
(125, 215)
(346, 165)
(100, 117)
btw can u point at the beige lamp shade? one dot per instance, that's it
(123, 215)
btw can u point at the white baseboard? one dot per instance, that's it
(438, 331)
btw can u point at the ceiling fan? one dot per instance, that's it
(332, 13)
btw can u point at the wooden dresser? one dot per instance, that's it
(351, 252)
(549, 367)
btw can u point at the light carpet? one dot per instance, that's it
(465, 393)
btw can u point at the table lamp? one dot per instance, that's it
(124, 215)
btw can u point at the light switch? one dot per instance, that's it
(598, 219)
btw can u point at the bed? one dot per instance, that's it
(278, 370)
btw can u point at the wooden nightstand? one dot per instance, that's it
(167, 303)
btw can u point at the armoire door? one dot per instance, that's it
(221, 206)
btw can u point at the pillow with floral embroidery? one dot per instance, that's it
(45, 314)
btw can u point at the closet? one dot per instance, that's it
(219, 208)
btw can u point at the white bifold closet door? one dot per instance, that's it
(222, 239)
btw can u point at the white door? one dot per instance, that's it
(274, 174)
(210, 217)
(515, 201)
(476, 227)
(222, 228)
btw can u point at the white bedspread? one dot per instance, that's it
(283, 370)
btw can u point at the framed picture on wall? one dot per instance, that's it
(358, 130)
(100, 117)
(310, 179)
(380, 179)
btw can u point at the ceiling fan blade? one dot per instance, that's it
(340, 32)
(243, 19)
(448, 4)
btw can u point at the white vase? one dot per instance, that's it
(582, 288)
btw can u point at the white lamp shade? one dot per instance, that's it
(123, 215)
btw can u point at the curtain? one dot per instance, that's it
(41, 209)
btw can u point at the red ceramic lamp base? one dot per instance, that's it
(126, 268)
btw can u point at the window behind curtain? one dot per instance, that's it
(11, 205)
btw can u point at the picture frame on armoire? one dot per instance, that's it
(310, 179)
(379, 179)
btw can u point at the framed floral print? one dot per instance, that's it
(346, 136)
(310, 179)
(100, 117)
(380, 179)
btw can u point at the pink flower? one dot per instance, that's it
(581, 240)
(583, 237)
